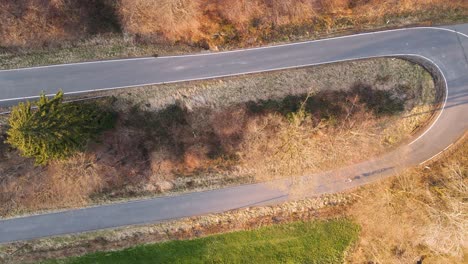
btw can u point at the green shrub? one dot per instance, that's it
(55, 130)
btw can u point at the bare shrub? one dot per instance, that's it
(277, 147)
(117, 164)
(73, 181)
(240, 13)
(162, 164)
(305, 141)
(35, 22)
(171, 19)
(288, 12)
(229, 127)
(203, 20)
(38, 22)
(375, 9)
(122, 159)
(336, 6)
(195, 157)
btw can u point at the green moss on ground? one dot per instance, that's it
(299, 242)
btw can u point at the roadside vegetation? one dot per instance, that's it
(100, 29)
(420, 214)
(54, 130)
(212, 134)
(299, 242)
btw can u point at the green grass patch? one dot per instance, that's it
(299, 242)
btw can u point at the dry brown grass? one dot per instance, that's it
(374, 8)
(307, 141)
(38, 22)
(114, 164)
(170, 19)
(69, 184)
(420, 214)
(223, 21)
(243, 13)
(43, 32)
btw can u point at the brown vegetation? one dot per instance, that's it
(171, 19)
(36, 22)
(216, 22)
(418, 215)
(181, 148)
(247, 22)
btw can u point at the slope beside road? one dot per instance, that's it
(441, 49)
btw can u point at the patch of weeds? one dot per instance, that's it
(300, 242)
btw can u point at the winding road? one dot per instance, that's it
(443, 50)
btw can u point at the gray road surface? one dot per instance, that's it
(444, 49)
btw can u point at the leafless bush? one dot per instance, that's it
(171, 19)
(38, 189)
(37, 22)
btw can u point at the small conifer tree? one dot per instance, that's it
(55, 130)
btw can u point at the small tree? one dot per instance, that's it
(56, 129)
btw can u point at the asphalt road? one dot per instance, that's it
(444, 49)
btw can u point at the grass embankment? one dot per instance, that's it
(104, 29)
(300, 242)
(211, 134)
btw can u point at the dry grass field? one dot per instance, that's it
(221, 22)
(39, 32)
(45, 22)
(419, 215)
(24, 21)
